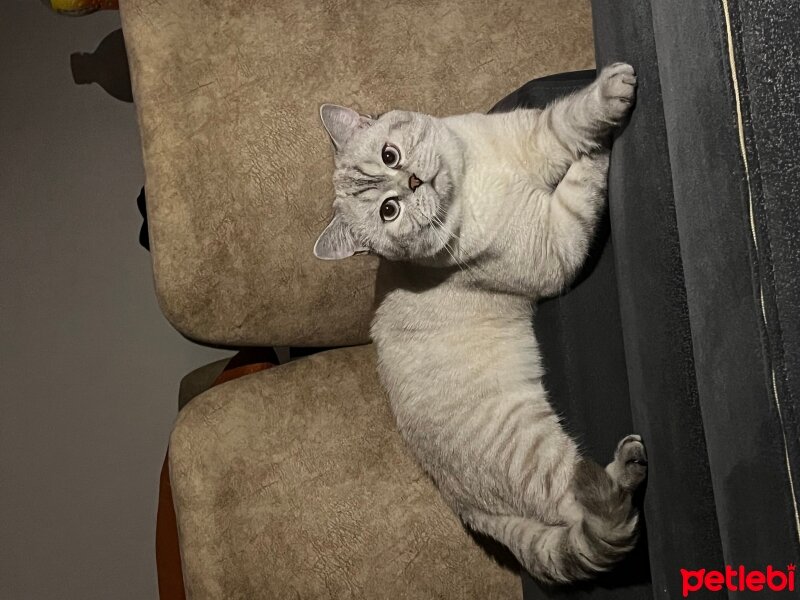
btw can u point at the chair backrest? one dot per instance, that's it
(239, 169)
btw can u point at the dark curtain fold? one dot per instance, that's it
(665, 402)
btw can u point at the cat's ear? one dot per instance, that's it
(341, 122)
(337, 241)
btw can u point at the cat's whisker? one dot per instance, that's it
(434, 221)
(464, 268)
(444, 227)
(447, 231)
(436, 233)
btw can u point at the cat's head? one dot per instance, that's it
(394, 179)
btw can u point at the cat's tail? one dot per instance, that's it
(591, 544)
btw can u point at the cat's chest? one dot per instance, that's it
(507, 215)
(504, 200)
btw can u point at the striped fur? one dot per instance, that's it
(504, 215)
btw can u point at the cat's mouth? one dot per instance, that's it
(432, 182)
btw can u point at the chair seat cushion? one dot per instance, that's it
(293, 483)
(239, 167)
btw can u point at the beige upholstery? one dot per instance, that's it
(293, 483)
(238, 167)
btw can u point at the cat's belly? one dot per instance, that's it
(443, 422)
(458, 391)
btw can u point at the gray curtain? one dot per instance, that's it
(685, 325)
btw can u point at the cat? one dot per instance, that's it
(478, 216)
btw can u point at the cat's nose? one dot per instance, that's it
(414, 182)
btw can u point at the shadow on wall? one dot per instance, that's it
(107, 66)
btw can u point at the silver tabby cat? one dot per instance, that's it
(478, 216)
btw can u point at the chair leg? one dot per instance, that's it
(168, 554)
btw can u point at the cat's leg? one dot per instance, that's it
(605, 494)
(579, 548)
(539, 548)
(573, 210)
(582, 122)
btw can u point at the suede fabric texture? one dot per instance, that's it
(293, 483)
(239, 168)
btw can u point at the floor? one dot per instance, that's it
(89, 370)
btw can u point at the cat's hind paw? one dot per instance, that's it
(629, 467)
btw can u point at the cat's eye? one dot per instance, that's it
(390, 155)
(390, 210)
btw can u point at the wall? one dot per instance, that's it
(89, 369)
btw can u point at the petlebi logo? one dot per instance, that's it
(738, 580)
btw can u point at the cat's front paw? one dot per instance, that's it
(616, 86)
